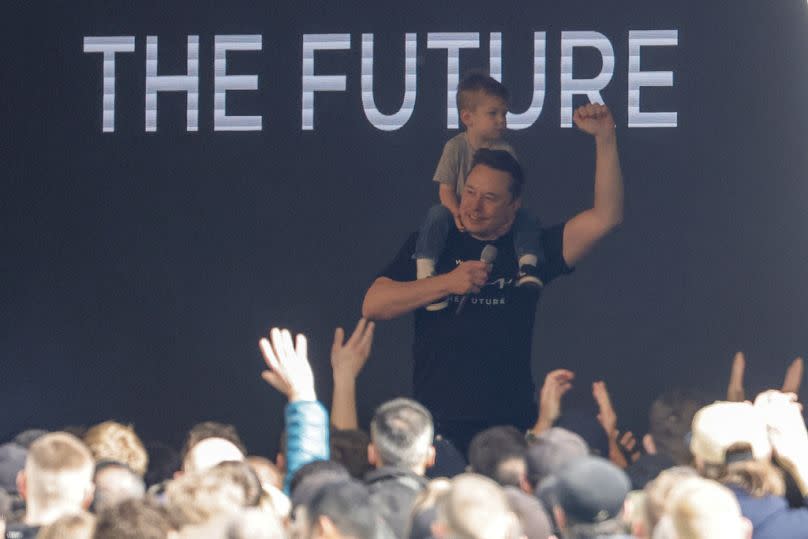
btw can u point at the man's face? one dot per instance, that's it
(487, 207)
(488, 119)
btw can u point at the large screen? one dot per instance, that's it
(181, 176)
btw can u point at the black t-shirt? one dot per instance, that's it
(476, 365)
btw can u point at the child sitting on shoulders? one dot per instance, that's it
(482, 102)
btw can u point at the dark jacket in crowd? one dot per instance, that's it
(771, 516)
(392, 492)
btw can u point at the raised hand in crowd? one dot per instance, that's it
(289, 369)
(347, 360)
(306, 420)
(735, 388)
(787, 433)
(556, 384)
(607, 418)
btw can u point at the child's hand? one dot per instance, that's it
(459, 222)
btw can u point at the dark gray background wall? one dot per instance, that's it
(140, 269)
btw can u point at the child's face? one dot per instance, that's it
(487, 120)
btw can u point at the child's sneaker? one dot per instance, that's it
(528, 276)
(438, 305)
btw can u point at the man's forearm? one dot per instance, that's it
(608, 181)
(388, 299)
(582, 232)
(343, 405)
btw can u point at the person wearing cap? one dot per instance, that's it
(733, 443)
(589, 493)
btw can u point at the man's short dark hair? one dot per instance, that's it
(347, 504)
(349, 447)
(135, 519)
(476, 82)
(402, 431)
(212, 429)
(499, 454)
(317, 467)
(504, 161)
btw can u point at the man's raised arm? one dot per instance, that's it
(583, 231)
(386, 298)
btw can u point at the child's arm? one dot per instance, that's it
(448, 198)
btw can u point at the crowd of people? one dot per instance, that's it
(471, 456)
(729, 469)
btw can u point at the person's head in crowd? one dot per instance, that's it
(482, 103)
(669, 421)
(271, 484)
(475, 507)
(703, 509)
(209, 452)
(28, 436)
(57, 479)
(350, 448)
(657, 494)
(115, 482)
(222, 444)
(533, 519)
(401, 434)
(499, 454)
(242, 474)
(550, 451)
(164, 462)
(198, 498)
(589, 498)
(267, 472)
(253, 523)
(730, 443)
(133, 519)
(305, 483)
(12, 461)
(113, 441)
(79, 525)
(342, 509)
(316, 469)
(425, 508)
(647, 468)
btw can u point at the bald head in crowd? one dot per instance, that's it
(57, 479)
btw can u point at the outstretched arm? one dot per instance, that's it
(735, 389)
(556, 384)
(306, 420)
(583, 231)
(347, 360)
(386, 298)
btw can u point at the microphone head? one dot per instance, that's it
(489, 254)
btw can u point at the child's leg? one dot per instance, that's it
(432, 239)
(527, 243)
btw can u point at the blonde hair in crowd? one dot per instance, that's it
(119, 443)
(58, 477)
(75, 526)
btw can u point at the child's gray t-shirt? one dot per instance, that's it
(455, 162)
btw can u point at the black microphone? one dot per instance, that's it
(488, 256)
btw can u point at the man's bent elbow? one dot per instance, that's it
(373, 306)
